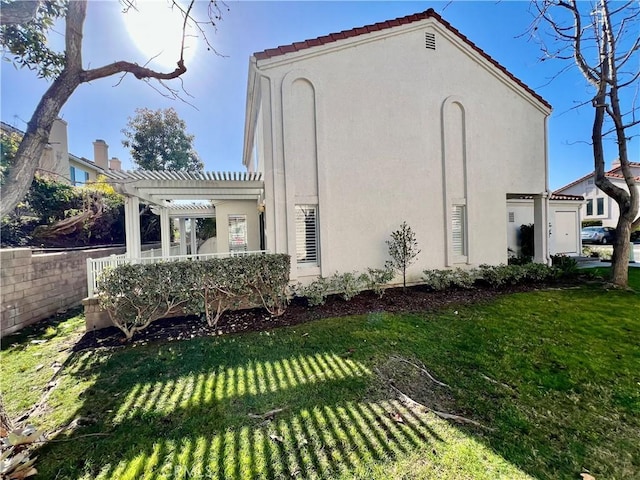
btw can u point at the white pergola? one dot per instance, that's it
(161, 189)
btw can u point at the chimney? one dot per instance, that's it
(615, 163)
(115, 164)
(58, 162)
(101, 154)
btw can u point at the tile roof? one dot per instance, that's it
(354, 32)
(555, 196)
(613, 173)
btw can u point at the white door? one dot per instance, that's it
(566, 233)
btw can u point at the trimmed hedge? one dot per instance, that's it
(134, 295)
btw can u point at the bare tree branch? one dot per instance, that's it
(72, 75)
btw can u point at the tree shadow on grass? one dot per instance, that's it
(173, 411)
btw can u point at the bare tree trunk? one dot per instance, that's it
(35, 139)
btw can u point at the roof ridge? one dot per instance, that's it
(387, 24)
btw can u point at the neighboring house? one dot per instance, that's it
(598, 205)
(56, 162)
(403, 120)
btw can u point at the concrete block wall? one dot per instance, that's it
(34, 287)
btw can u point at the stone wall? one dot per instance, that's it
(34, 287)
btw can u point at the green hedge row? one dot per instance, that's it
(134, 295)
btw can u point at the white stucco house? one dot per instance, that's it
(350, 134)
(598, 206)
(407, 119)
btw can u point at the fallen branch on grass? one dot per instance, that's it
(489, 379)
(423, 370)
(447, 416)
(265, 415)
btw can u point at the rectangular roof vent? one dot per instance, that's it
(430, 41)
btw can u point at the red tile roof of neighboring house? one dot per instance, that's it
(613, 173)
(354, 32)
(555, 196)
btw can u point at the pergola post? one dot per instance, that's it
(182, 227)
(165, 232)
(132, 227)
(194, 243)
(541, 229)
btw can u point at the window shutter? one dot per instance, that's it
(307, 234)
(458, 230)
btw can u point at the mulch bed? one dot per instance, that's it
(413, 299)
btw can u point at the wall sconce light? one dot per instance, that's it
(261, 207)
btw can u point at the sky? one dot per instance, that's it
(217, 83)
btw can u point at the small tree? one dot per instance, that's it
(403, 250)
(158, 140)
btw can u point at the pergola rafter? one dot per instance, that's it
(162, 188)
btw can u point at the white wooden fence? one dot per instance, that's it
(95, 266)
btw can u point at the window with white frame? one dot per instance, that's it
(237, 233)
(459, 230)
(600, 206)
(307, 244)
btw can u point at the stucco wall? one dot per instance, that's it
(385, 130)
(560, 231)
(34, 287)
(237, 207)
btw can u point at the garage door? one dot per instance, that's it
(566, 240)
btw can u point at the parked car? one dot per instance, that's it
(601, 235)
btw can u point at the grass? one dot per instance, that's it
(553, 375)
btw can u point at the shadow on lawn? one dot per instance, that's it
(186, 415)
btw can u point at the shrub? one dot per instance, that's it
(443, 279)
(501, 275)
(403, 250)
(377, 278)
(567, 266)
(316, 292)
(348, 284)
(591, 223)
(134, 295)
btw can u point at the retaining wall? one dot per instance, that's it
(34, 287)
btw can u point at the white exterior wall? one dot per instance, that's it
(236, 207)
(382, 130)
(564, 236)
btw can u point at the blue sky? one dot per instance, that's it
(217, 84)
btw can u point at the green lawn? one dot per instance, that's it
(552, 376)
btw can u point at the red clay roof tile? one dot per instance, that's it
(430, 13)
(611, 174)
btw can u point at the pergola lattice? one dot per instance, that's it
(162, 188)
